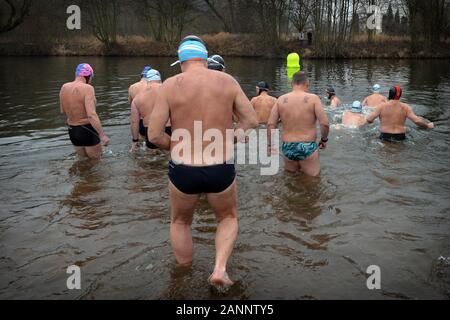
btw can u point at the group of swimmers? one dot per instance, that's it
(204, 92)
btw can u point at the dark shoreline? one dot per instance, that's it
(227, 46)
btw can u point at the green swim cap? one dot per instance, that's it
(293, 60)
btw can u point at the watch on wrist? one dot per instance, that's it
(324, 140)
(135, 140)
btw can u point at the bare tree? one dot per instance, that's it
(104, 16)
(300, 12)
(167, 19)
(13, 13)
(213, 7)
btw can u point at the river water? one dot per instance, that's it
(300, 238)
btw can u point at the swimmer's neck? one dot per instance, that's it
(301, 88)
(193, 65)
(80, 80)
(153, 84)
(264, 93)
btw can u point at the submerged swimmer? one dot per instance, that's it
(375, 99)
(333, 100)
(354, 117)
(142, 107)
(206, 97)
(263, 103)
(393, 115)
(136, 88)
(78, 103)
(299, 112)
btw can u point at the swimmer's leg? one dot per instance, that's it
(291, 166)
(182, 213)
(81, 152)
(311, 165)
(224, 205)
(94, 152)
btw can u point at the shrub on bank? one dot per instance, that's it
(226, 44)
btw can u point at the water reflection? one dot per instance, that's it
(374, 201)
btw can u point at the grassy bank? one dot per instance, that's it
(226, 44)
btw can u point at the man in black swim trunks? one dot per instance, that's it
(393, 115)
(199, 101)
(78, 103)
(142, 107)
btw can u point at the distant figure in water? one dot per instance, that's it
(136, 88)
(354, 118)
(78, 103)
(393, 115)
(299, 112)
(142, 108)
(333, 100)
(196, 101)
(263, 103)
(375, 99)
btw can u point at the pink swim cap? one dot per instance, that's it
(84, 70)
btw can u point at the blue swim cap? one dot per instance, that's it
(152, 75)
(192, 48)
(356, 107)
(146, 69)
(376, 88)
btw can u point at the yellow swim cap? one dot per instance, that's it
(293, 61)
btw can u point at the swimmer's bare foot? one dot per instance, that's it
(220, 279)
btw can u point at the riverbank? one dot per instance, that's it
(231, 45)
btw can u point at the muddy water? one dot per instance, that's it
(300, 238)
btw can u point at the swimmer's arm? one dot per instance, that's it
(244, 112)
(418, 121)
(61, 107)
(89, 104)
(158, 120)
(272, 124)
(130, 100)
(322, 117)
(134, 121)
(374, 115)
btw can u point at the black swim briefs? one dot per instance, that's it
(393, 137)
(142, 129)
(198, 180)
(84, 136)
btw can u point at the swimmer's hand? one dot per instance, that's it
(430, 125)
(133, 147)
(105, 140)
(322, 145)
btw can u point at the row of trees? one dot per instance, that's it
(333, 22)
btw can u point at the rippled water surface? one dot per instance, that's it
(300, 238)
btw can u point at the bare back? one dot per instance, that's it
(135, 89)
(393, 115)
(263, 105)
(351, 119)
(145, 101)
(374, 100)
(299, 114)
(73, 97)
(202, 95)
